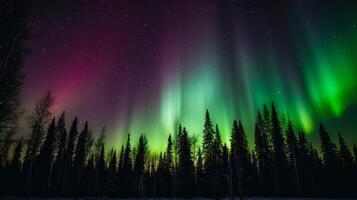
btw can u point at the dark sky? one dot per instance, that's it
(145, 66)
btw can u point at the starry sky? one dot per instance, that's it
(146, 66)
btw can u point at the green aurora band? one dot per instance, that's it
(319, 85)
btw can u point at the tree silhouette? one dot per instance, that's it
(240, 161)
(330, 161)
(281, 166)
(112, 173)
(45, 158)
(139, 166)
(69, 165)
(127, 171)
(14, 32)
(264, 157)
(100, 170)
(293, 154)
(346, 159)
(68, 162)
(185, 171)
(38, 122)
(60, 159)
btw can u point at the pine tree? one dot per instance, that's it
(306, 162)
(199, 178)
(216, 176)
(46, 157)
(293, 153)
(169, 149)
(121, 160)
(225, 171)
(328, 149)
(79, 160)
(267, 123)
(185, 169)
(160, 189)
(139, 166)
(38, 121)
(240, 161)
(217, 147)
(254, 173)
(60, 160)
(344, 153)
(100, 172)
(281, 165)
(14, 33)
(169, 165)
(89, 177)
(264, 156)
(112, 173)
(208, 137)
(346, 159)
(330, 161)
(68, 163)
(127, 174)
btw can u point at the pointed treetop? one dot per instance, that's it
(207, 114)
(86, 126)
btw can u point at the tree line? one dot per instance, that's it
(60, 160)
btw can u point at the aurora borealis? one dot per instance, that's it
(145, 67)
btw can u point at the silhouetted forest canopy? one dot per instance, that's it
(59, 159)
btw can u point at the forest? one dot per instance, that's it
(66, 160)
(57, 162)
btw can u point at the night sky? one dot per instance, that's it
(145, 66)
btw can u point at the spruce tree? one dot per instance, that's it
(169, 150)
(60, 160)
(139, 166)
(346, 159)
(46, 158)
(264, 156)
(89, 177)
(328, 149)
(100, 172)
(14, 32)
(112, 173)
(79, 160)
(208, 141)
(344, 153)
(240, 161)
(225, 171)
(68, 162)
(185, 169)
(127, 171)
(169, 166)
(306, 165)
(121, 160)
(39, 119)
(281, 166)
(199, 178)
(330, 161)
(293, 154)
(161, 188)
